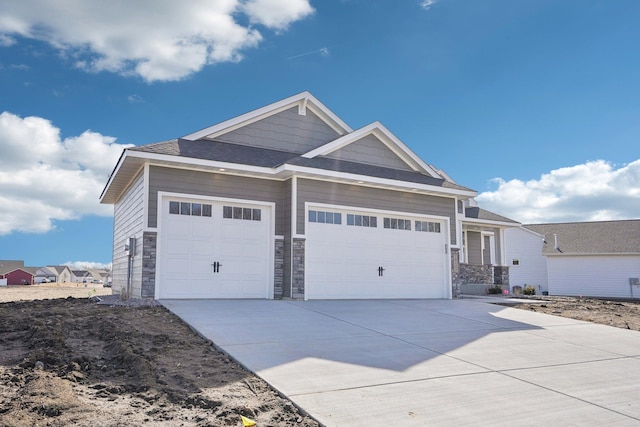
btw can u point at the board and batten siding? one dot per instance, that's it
(371, 198)
(284, 131)
(128, 221)
(595, 275)
(526, 247)
(371, 151)
(199, 183)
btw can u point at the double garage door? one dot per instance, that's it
(360, 254)
(216, 249)
(211, 249)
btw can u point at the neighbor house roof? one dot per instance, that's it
(590, 238)
(10, 265)
(483, 214)
(58, 269)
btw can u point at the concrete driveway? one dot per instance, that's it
(429, 362)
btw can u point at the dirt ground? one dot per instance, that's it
(621, 314)
(71, 361)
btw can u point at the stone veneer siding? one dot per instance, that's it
(476, 274)
(278, 269)
(455, 273)
(297, 273)
(149, 245)
(501, 275)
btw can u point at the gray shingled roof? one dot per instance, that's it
(255, 156)
(602, 237)
(479, 213)
(10, 265)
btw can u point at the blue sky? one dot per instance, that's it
(534, 104)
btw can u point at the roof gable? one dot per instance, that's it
(370, 150)
(385, 137)
(302, 103)
(590, 238)
(10, 265)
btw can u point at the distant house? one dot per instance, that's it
(16, 273)
(81, 276)
(580, 258)
(62, 272)
(44, 275)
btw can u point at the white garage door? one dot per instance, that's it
(213, 250)
(352, 254)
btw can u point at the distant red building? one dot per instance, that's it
(18, 277)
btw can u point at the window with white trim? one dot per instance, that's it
(362, 220)
(397, 224)
(325, 217)
(428, 226)
(192, 209)
(237, 212)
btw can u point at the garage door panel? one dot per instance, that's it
(343, 260)
(192, 244)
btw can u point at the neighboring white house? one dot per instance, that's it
(599, 259)
(62, 272)
(527, 264)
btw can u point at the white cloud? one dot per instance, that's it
(160, 41)
(276, 14)
(426, 4)
(594, 191)
(134, 99)
(44, 178)
(87, 265)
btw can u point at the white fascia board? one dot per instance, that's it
(355, 179)
(113, 174)
(190, 161)
(501, 224)
(386, 137)
(528, 230)
(253, 116)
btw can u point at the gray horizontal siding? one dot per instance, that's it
(372, 198)
(128, 221)
(371, 151)
(285, 131)
(214, 185)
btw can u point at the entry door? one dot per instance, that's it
(214, 250)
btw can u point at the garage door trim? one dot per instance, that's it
(163, 196)
(445, 220)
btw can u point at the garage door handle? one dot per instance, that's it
(380, 271)
(216, 267)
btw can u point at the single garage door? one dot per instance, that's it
(358, 254)
(214, 249)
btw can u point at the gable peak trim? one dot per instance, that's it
(304, 101)
(385, 136)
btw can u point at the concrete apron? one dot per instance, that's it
(429, 362)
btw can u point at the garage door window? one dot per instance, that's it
(362, 220)
(325, 217)
(397, 224)
(235, 212)
(186, 208)
(428, 226)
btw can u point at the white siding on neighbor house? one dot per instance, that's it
(128, 221)
(526, 247)
(596, 275)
